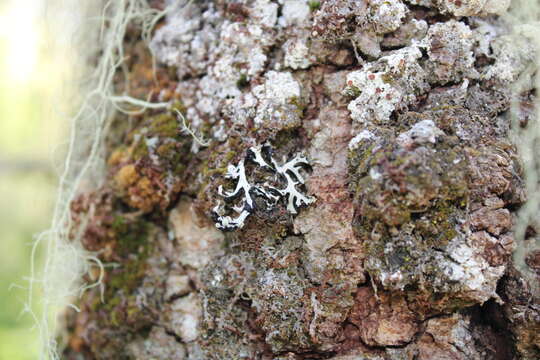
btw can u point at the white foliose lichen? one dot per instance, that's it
(383, 86)
(238, 173)
(243, 187)
(288, 172)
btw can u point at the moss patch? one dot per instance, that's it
(409, 202)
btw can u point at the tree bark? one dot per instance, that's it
(333, 180)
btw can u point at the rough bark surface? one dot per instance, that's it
(401, 109)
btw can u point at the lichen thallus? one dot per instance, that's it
(288, 172)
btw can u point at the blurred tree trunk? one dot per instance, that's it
(401, 110)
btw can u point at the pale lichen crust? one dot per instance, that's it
(288, 172)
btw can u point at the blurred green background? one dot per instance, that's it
(31, 130)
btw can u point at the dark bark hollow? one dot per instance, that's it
(358, 154)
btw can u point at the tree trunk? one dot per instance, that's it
(332, 180)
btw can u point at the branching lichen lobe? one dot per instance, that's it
(289, 171)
